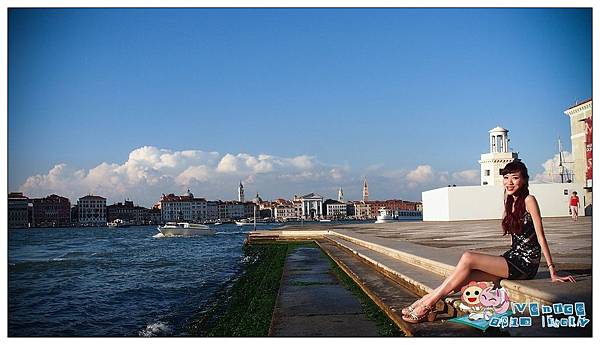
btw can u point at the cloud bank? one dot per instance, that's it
(150, 171)
(551, 167)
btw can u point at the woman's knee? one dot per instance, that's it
(467, 258)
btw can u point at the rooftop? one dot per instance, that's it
(579, 103)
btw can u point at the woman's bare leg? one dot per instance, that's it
(472, 266)
(475, 275)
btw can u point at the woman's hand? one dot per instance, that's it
(556, 278)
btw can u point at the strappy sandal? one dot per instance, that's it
(429, 315)
(412, 307)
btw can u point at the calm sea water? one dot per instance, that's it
(115, 282)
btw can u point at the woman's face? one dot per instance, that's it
(513, 182)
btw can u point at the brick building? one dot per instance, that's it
(51, 211)
(126, 211)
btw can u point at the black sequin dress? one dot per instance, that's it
(523, 258)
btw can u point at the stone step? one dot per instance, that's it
(412, 277)
(436, 260)
(391, 296)
(441, 261)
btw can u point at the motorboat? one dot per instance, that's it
(385, 216)
(325, 220)
(388, 216)
(251, 221)
(243, 222)
(185, 229)
(117, 223)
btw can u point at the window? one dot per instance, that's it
(484, 183)
(486, 172)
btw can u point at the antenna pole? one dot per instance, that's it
(560, 164)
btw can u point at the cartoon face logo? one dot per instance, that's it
(495, 298)
(471, 293)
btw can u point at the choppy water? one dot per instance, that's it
(114, 282)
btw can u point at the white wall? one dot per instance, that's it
(486, 202)
(435, 204)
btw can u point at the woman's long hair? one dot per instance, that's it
(513, 221)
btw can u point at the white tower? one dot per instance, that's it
(365, 196)
(341, 195)
(497, 158)
(241, 192)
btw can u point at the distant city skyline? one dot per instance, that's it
(134, 103)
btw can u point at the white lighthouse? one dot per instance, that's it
(497, 158)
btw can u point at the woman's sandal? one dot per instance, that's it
(429, 315)
(412, 307)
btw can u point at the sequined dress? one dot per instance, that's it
(523, 258)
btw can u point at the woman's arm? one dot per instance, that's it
(532, 207)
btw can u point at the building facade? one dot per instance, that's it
(232, 210)
(91, 210)
(18, 213)
(183, 208)
(393, 205)
(334, 209)
(580, 116)
(362, 210)
(126, 211)
(154, 215)
(212, 210)
(284, 212)
(51, 211)
(312, 206)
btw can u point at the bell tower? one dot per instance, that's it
(241, 192)
(497, 158)
(365, 195)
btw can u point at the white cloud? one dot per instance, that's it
(422, 174)
(150, 171)
(552, 168)
(200, 173)
(467, 177)
(228, 164)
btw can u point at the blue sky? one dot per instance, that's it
(326, 96)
